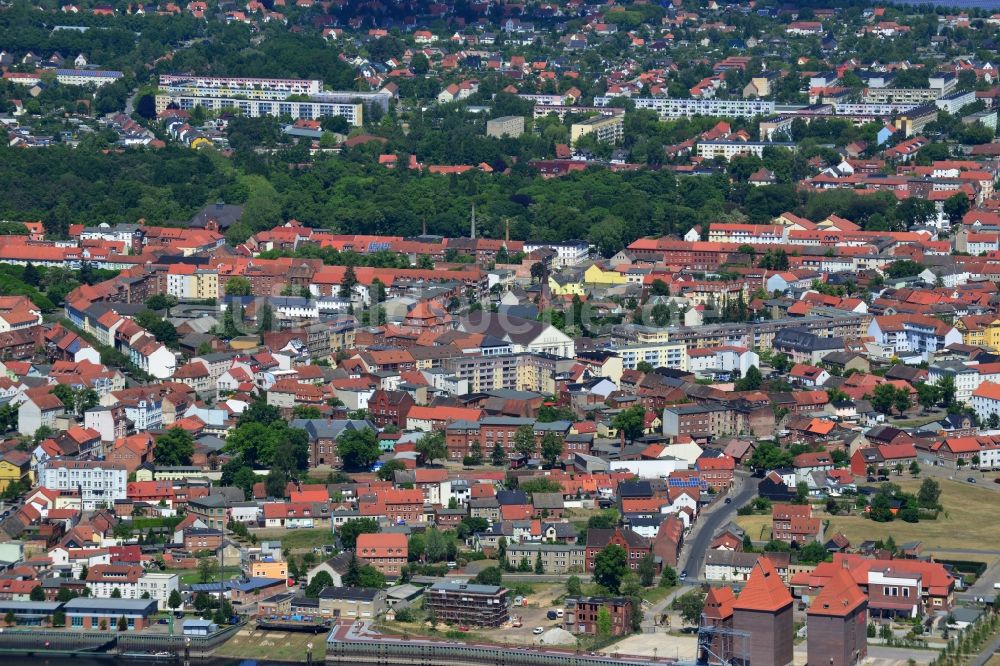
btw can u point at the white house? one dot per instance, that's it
(913, 335)
(985, 400)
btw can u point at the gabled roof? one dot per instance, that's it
(764, 591)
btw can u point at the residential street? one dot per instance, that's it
(692, 556)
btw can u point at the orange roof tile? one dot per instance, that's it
(764, 591)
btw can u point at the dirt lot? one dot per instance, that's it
(533, 615)
(666, 646)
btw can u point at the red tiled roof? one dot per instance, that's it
(839, 597)
(764, 591)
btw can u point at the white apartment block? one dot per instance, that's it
(730, 149)
(159, 586)
(758, 234)
(568, 253)
(307, 110)
(669, 107)
(658, 355)
(244, 84)
(98, 483)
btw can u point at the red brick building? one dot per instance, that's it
(669, 539)
(717, 614)
(398, 505)
(386, 552)
(389, 408)
(794, 523)
(635, 545)
(716, 470)
(764, 611)
(492, 430)
(836, 622)
(582, 613)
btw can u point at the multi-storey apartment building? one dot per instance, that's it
(96, 483)
(669, 107)
(460, 602)
(493, 430)
(387, 552)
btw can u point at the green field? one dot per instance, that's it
(297, 539)
(190, 576)
(963, 524)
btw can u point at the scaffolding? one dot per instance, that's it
(722, 646)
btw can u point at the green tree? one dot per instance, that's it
(812, 553)
(884, 397)
(690, 606)
(751, 381)
(37, 593)
(489, 576)
(524, 440)
(319, 582)
(432, 447)
(573, 586)
(914, 469)
(630, 423)
(609, 566)
(647, 570)
(174, 448)
(387, 472)
(174, 601)
(122, 624)
(349, 531)
(604, 624)
(630, 585)
(669, 577)
(956, 206)
(207, 567)
(358, 448)
(929, 493)
(238, 286)
(552, 448)
(265, 318)
(347, 283)
(539, 567)
(946, 387)
(116, 593)
(497, 456)
(768, 456)
(437, 549)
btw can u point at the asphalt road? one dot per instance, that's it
(693, 553)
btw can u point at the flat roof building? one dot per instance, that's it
(466, 603)
(606, 129)
(511, 126)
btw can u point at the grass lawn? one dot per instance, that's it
(302, 538)
(962, 524)
(656, 593)
(917, 422)
(273, 646)
(189, 576)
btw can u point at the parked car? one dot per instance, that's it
(684, 574)
(971, 479)
(538, 630)
(729, 500)
(551, 615)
